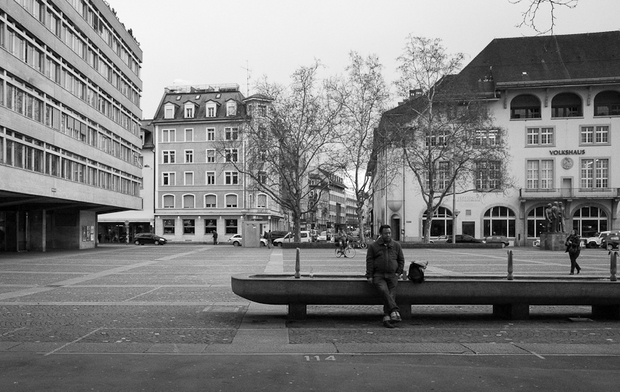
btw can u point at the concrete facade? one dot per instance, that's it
(69, 122)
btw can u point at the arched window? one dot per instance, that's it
(442, 222)
(188, 201)
(588, 221)
(231, 201)
(536, 222)
(168, 201)
(607, 103)
(525, 106)
(210, 201)
(566, 105)
(499, 221)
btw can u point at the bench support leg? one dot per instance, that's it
(606, 312)
(405, 311)
(297, 311)
(512, 311)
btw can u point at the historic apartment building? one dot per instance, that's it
(199, 189)
(69, 121)
(558, 98)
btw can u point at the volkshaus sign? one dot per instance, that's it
(567, 152)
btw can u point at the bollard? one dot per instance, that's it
(509, 265)
(297, 266)
(613, 265)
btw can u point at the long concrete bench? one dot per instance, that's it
(510, 298)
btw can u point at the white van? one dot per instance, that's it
(304, 236)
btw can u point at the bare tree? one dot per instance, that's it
(447, 135)
(287, 141)
(534, 7)
(363, 95)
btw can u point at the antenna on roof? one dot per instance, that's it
(247, 79)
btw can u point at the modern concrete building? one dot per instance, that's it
(69, 122)
(558, 98)
(199, 189)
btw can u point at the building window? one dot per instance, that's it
(595, 134)
(210, 178)
(232, 155)
(442, 176)
(189, 134)
(210, 201)
(189, 110)
(168, 201)
(231, 226)
(188, 201)
(588, 221)
(231, 201)
(536, 222)
(189, 156)
(168, 135)
(594, 173)
(488, 175)
(168, 178)
(188, 178)
(189, 226)
(232, 133)
(566, 105)
(261, 201)
(211, 109)
(540, 136)
(525, 106)
(210, 226)
(442, 222)
(168, 156)
(168, 226)
(210, 156)
(540, 174)
(487, 137)
(499, 221)
(231, 178)
(169, 111)
(231, 108)
(210, 134)
(607, 103)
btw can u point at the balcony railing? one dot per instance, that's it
(559, 193)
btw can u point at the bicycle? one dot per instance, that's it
(348, 251)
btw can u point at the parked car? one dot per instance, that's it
(611, 240)
(496, 239)
(596, 240)
(275, 234)
(304, 236)
(237, 240)
(148, 238)
(464, 238)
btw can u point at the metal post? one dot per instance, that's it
(613, 267)
(297, 266)
(510, 277)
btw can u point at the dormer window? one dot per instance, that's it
(211, 109)
(231, 108)
(169, 111)
(189, 110)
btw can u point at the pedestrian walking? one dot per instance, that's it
(385, 262)
(215, 238)
(573, 248)
(268, 238)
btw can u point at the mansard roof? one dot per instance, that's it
(200, 97)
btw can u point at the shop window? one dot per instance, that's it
(189, 226)
(441, 226)
(231, 226)
(210, 226)
(536, 222)
(168, 226)
(587, 221)
(499, 221)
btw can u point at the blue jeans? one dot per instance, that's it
(386, 285)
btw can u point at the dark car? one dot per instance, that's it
(497, 238)
(611, 241)
(148, 238)
(464, 238)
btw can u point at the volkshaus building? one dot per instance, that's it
(558, 99)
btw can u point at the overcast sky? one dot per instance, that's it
(193, 42)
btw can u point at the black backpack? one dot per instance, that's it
(416, 272)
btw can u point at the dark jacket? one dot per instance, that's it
(384, 259)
